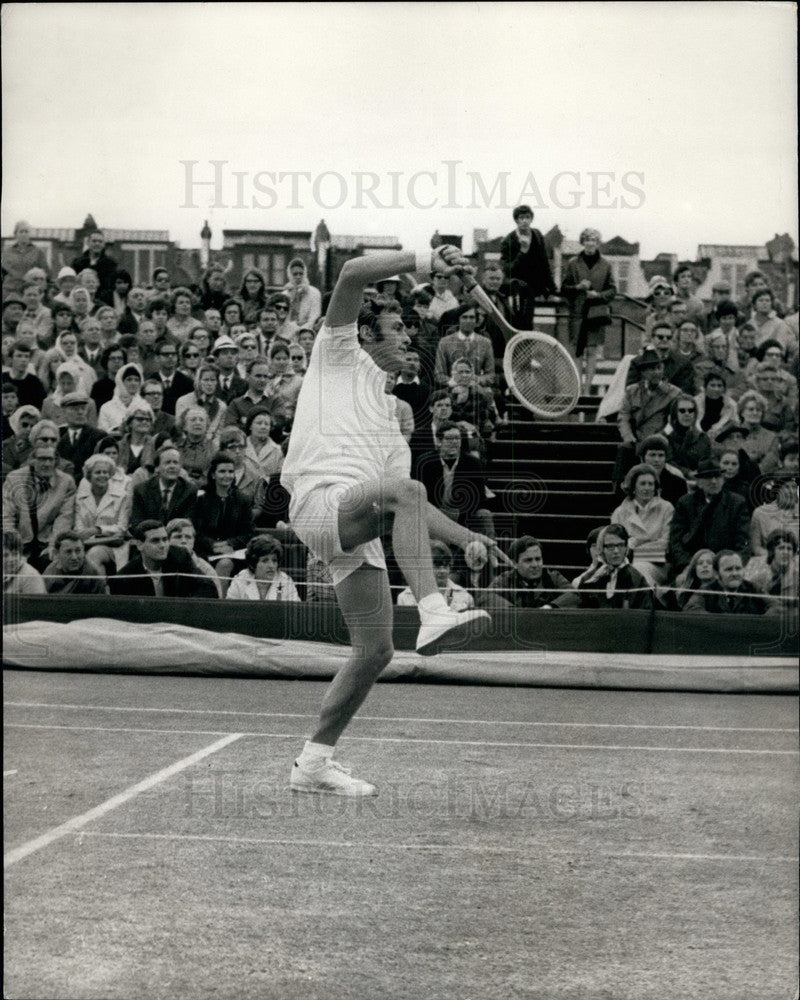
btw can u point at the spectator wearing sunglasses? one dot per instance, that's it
(287, 327)
(659, 296)
(614, 582)
(688, 446)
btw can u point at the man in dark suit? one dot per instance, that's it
(166, 494)
(174, 383)
(708, 518)
(96, 258)
(411, 387)
(91, 345)
(77, 441)
(231, 384)
(526, 267)
(454, 481)
(492, 280)
(728, 594)
(160, 569)
(135, 311)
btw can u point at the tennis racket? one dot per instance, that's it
(539, 370)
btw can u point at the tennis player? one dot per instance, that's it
(348, 471)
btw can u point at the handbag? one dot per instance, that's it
(598, 314)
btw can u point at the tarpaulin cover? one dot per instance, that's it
(103, 644)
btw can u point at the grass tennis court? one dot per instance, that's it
(527, 843)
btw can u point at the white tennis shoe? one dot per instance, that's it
(449, 628)
(328, 777)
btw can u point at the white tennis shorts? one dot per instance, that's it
(315, 519)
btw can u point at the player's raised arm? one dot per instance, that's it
(359, 272)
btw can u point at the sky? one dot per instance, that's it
(670, 124)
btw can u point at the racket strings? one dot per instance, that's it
(543, 375)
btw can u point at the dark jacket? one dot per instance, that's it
(30, 390)
(218, 520)
(103, 391)
(238, 387)
(106, 268)
(671, 487)
(532, 268)
(721, 523)
(181, 385)
(469, 490)
(712, 599)
(78, 453)
(689, 450)
(128, 323)
(628, 579)
(417, 395)
(148, 502)
(680, 371)
(88, 580)
(523, 594)
(140, 584)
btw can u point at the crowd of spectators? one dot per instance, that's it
(144, 430)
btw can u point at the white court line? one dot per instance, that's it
(7, 774)
(466, 848)
(393, 718)
(396, 739)
(78, 822)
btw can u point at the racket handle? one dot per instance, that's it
(467, 279)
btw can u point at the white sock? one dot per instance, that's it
(315, 753)
(432, 604)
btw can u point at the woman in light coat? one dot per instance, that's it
(128, 383)
(102, 513)
(647, 519)
(263, 580)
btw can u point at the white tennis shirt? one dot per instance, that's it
(345, 427)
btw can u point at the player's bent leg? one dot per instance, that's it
(365, 511)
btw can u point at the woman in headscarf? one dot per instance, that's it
(204, 395)
(80, 302)
(68, 379)
(589, 287)
(66, 349)
(17, 448)
(614, 583)
(305, 300)
(128, 383)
